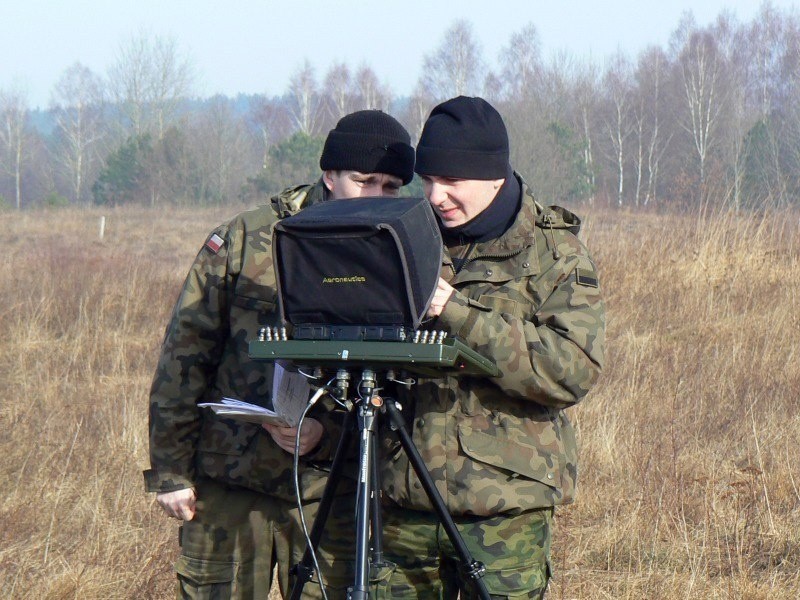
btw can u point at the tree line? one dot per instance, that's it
(712, 118)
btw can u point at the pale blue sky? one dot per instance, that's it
(254, 46)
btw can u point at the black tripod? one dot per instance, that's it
(366, 407)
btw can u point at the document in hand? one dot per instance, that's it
(290, 393)
(244, 411)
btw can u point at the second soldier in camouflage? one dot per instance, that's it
(230, 481)
(520, 288)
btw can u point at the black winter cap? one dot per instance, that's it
(369, 141)
(465, 138)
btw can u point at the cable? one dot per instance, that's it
(307, 375)
(298, 496)
(404, 382)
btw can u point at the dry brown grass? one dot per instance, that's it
(690, 444)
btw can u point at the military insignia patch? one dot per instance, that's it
(584, 278)
(214, 243)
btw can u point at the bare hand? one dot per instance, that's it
(440, 297)
(310, 435)
(179, 504)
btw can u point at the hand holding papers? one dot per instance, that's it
(290, 393)
(244, 411)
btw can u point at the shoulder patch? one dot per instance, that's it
(587, 278)
(214, 243)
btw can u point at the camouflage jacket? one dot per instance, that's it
(228, 295)
(530, 301)
(292, 199)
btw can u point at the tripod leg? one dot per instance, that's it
(304, 570)
(377, 524)
(367, 426)
(472, 568)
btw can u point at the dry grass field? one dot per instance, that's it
(690, 445)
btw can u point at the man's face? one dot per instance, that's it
(457, 201)
(353, 184)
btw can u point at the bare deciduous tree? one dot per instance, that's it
(788, 120)
(338, 90)
(619, 124)
(417, 110)
(652, 141)
(493, 88)
(521, 63)
(700, 67)
(456, 67)
(273, 122)
(77, 104)
(304, 99)
(222, 146)
(148, 80)
(765, 43)
(13, 119)
(370, 92)
(587, 91)
(172, 82)
(554, 91)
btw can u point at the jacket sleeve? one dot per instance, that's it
(190, 354)
(553, 353)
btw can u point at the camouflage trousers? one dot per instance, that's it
(238, 536)
(514, 549)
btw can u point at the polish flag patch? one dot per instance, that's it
(214, 243)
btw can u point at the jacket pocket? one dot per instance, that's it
(516, 457)
(253, 303)
(249, 313)
(502, 305)
(201, 578)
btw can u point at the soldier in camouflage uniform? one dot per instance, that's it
(520, 288)
(231, 482)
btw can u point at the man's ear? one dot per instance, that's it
(327, 179)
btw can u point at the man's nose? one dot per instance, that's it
(436, 193)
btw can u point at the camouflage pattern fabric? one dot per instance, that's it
(238, 536)
(226, 549)
(335, 553)
(228, 295)
(293, 199)
(515, 552)
(530, 301)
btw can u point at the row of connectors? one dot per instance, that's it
(269, 334)
(429, 337)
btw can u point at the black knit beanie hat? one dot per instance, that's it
(465, 138)
(369, 141)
